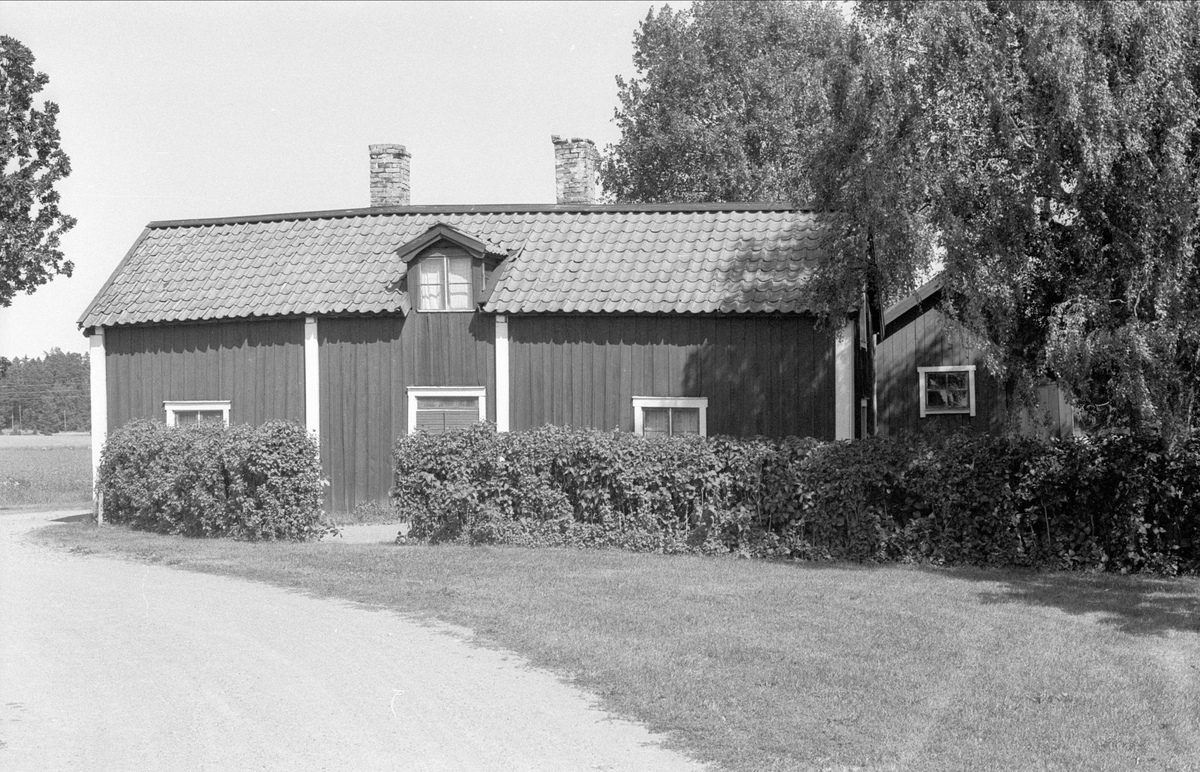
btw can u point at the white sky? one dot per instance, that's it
(178, 110)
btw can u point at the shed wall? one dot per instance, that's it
(367, 363)
(257, 365)
(769, 374)
(921, 339)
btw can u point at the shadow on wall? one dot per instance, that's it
(898, 385)
(767, 373)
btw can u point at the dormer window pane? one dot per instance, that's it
(459, 283)
(433, 283)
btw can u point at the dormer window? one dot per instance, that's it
(447, 270)
(444, 280)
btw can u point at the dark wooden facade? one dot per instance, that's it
(920, 337)
(762, 374)
(257, 365)
(366, 365)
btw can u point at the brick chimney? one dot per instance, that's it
(576, 165)
(389, 175)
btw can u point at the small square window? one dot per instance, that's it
(438, 409)
(670, 416)
(947, 390)
(185, 412)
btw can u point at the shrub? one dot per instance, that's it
(581, 487)
(1118, 503)
(211, 480)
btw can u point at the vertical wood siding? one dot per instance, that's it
(367, 363)
(921, 340)
(769, 375)
(257, 365)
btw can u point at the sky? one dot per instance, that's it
(181, 110)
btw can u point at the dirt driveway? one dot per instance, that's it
(108, 665)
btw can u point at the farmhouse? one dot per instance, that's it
(365, 324)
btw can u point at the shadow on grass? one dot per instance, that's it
(1137, 605)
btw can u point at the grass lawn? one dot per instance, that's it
(45, 470)
(779, 666)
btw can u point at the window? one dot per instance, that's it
(444, 281)
(948, 390)
(196, 411)
(670, 416)
(438, 409)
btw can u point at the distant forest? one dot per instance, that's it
(48, 394)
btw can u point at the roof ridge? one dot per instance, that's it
(682, 208)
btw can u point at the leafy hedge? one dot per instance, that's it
(1118, 503)
(211, 480)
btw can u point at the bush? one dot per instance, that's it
(1119, 503)
(556, 486)
(211, 480)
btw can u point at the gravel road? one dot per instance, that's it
(109, 665)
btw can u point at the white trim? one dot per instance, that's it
(639, 403)
(312, 377)
(502, 406)
(843, 383)
(98, 383)
(189, 405)
(444, 391)
(926, 410)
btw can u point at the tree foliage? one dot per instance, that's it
(1045, 156)
(31, 163)
(1050, 152)
(728, 98)
(47, 394)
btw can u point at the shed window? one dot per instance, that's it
(947, 390)
(436, 409)
(670, 416)
(444, 283)
(182, 413)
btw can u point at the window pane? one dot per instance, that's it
(448, 403)
(947, 391)
(431, 273)
(459, 285)
(440, 414)
(656, 421)
(431, 421)
(685, 420)
(185, 417)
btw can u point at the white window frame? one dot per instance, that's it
(445, 260)
(444, 391)
(922, 383)
(193, 405)
(641, 403)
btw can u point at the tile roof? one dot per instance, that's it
(735, 258)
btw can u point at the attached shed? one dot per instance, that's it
(927, 381)
(365, 324)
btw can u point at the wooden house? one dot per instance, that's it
(365, 324)
(928, 381)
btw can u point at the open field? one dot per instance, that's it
(45, 470)
(779, 666)
(64, 440)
